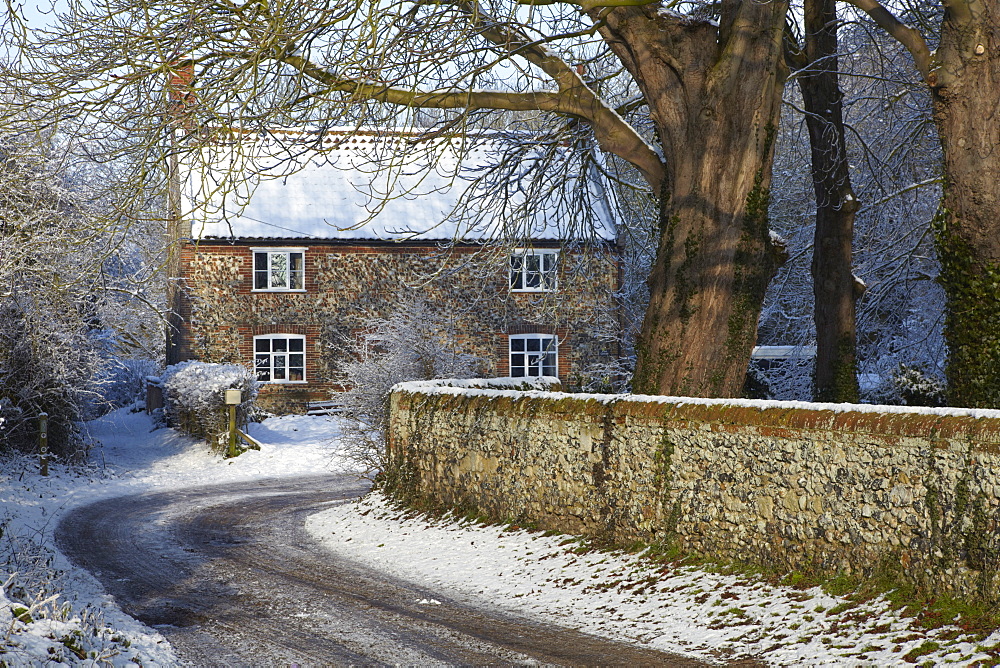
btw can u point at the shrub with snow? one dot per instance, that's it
(47, 364)
(194, 397)
(124, 381)
(78, 287)
(915, 387)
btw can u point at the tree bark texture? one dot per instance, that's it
(175, 234)
(834, 286)
(965, 82)
(714, 94)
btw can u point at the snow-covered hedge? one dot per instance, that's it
(194, 397)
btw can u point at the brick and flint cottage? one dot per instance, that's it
(290, 243)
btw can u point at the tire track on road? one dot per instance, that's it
(230, 577)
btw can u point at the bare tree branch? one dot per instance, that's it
(587, 6)
(909, 37)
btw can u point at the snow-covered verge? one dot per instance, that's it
(625, 597)
(48, 613)
(51, 613)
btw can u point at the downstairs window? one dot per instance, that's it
(534, 355)
(280, 358)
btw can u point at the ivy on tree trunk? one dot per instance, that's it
(714, 94)
(963, 75)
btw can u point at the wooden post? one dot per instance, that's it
(233, 399)
(43, 442)
(232, 432)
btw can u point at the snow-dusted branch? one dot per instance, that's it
(909, 37)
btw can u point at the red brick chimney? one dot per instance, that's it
(180, 86)
(181, 101)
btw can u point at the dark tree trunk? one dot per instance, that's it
(834, 286)
(714, 94)
(175, 234)
(966, 88)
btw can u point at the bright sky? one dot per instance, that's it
(38, 13)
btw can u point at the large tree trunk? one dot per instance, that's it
(714, 93)
(964, 77)
(834, 291)
(966, 87)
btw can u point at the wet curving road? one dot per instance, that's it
(229, 575)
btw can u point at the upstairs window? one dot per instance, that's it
(280, 358)
(533, 355)
(533, 270)
(279, 270)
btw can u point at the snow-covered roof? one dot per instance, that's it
(364, 185)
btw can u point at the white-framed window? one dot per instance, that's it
(533, 270)
(534, 355)
(280, 358)
(279, 269)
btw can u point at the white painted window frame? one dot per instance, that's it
(287, 252)
(288, 352)
(548, 278)
(532, 359)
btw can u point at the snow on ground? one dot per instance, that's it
(620, 596)
(72, 620)
(625, 597)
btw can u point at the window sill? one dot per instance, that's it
(531, 290)
(283, 382)
(276, 290)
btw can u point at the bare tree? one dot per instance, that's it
(894, 158)
(70, 281)
(708, 93)
(414, 343)
(835, 288)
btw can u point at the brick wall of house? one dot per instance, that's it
(348, 285)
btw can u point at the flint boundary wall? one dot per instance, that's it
(828, 488)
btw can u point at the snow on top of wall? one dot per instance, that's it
(533, 383)
(361, 185)
(454, 387)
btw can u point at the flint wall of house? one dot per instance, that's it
(348, 285)
(793, 487)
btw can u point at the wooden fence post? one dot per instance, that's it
(43, 442)
(234, 398)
